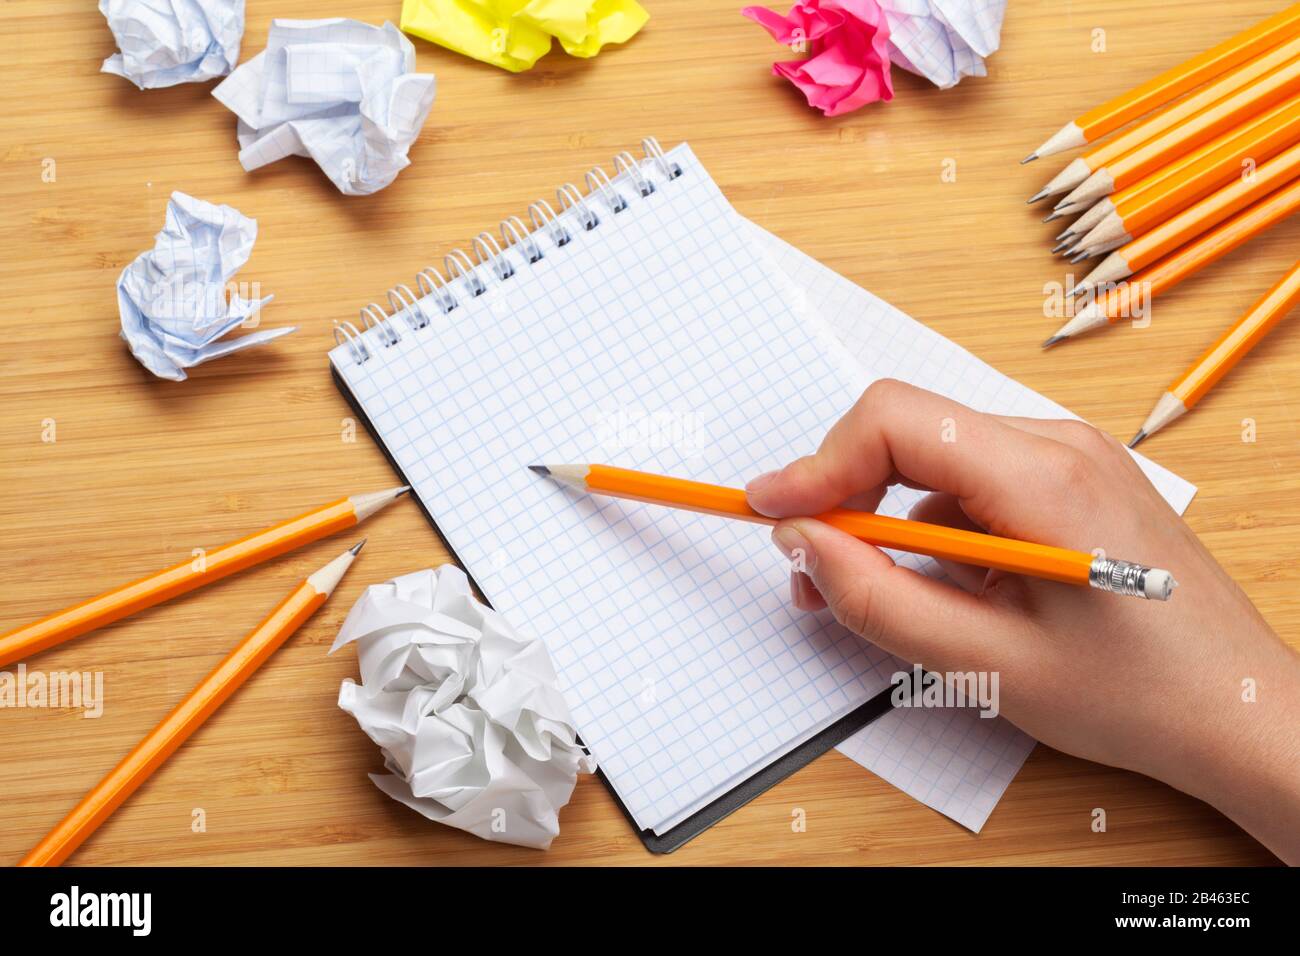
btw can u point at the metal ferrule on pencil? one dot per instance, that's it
(1125, 577)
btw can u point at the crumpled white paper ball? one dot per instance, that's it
(466, 711)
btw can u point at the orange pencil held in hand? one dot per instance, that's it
(937, 541)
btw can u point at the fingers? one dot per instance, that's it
(946, 510)
(897, 431)
(900, 610)
(1008, 479)
(804, 594)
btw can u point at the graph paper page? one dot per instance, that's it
(658, 340)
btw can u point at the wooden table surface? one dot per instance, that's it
(142, 470)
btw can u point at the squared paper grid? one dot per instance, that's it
(945, 40)
(950, 759)
(675, 645)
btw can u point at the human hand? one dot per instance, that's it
(1149, 686)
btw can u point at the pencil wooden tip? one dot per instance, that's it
(1048, 343)
(326, 579)
(367, 504)
(1029, 159)
(1137, 439)
(574, 476)
(1064, 243)
(1054, 214)
(1045, 191)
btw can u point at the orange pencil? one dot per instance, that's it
(1219, 359)
(1130, 298)
(937, 541)
(1154, 198)
(1172, 83)
(1218, 106)
(214, 565)
(1194, 220)
(1224, 115)
(177, 727)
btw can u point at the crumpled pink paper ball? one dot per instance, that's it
(849, 43)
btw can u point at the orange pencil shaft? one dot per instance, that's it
(1211, 210)
(1237, 341)
(1190, 74)
(1232, 94)
(148, 755)
(162, 586)
(1129, 298)
(1155, 198)
(970, 547)
(1204, 125)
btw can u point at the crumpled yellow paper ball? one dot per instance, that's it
(515, 34)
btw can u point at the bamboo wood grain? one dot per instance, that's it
(143, 471)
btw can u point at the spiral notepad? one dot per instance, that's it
(643, 323)
(685, 667)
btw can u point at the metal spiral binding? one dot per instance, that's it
(462, 277)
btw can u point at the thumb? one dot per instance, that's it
(900, 610)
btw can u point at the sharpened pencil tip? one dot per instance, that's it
(1030, 158)
(1137, 439)
(1037, 196)
(405, 489)
(1061, 245)
(1053, 215)
(1053, 340)
(1066, 233)
(541, 470)
(356, 548)
(1079, 257)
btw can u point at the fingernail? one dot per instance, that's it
(801, 590)
(794, 546)
(761, 480)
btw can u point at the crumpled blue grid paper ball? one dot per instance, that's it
(177, 300)
(466, 711)
(166, 42)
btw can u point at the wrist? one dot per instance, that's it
(1244, 758)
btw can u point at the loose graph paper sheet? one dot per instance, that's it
(951, 759)
(676, 647)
